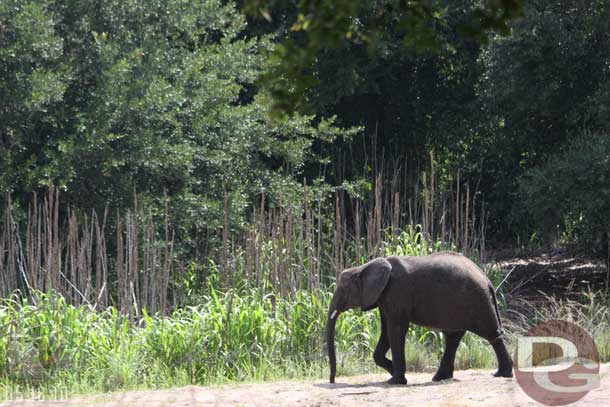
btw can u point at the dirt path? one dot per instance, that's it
(470, 388)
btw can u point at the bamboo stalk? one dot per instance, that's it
(432, 175)
(457, 213)
(466, 215)
(378, 189)
(357, 231)
(225, 238)
(338, 265)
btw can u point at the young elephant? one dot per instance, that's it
(443, 291)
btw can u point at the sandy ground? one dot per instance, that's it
(468, 388)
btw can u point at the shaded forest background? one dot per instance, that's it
(137, 137)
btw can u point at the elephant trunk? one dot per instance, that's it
(333, 314)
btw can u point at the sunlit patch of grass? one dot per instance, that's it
(411, 242)
(474, 353)
(420, 357)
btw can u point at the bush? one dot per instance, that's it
(569, 195)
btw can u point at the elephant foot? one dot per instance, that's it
(504, 373)
(442, 376)
(397, 380)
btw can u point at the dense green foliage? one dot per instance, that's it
(105, 100)
(571, 190)
(324, 25)
(542, 87)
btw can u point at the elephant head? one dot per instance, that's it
(357, 287)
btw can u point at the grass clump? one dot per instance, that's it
(474, 353)
(591, 312)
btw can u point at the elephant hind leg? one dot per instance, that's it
(494, 336)
(505, 363)
(452, 341)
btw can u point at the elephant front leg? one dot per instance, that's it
(397, 335)
(382, 347)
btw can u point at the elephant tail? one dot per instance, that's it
(495, 300)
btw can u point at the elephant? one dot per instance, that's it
(443, 291)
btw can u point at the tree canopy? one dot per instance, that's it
(321, 25)
(107, 99)
(155, 97)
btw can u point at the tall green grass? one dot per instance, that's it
(230, 336)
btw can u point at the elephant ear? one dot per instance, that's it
(374, 277)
